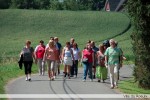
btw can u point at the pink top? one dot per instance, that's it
(51, 53)
(88, 54)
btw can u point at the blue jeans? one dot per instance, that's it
(87, 67)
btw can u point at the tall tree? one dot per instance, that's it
(4, 4)
(139, 11)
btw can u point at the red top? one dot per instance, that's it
(40, 51)
(88, 54)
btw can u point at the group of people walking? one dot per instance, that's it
(106, 57)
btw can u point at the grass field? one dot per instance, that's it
(18, 25)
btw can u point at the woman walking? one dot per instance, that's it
(101, 71)
(28, 55)
(113, 58)
(76, 54)
(87, 61)
(39, 54)
(50, 56)
(68, 58)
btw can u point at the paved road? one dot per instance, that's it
(41, 85)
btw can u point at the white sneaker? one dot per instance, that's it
(26, 79)
(42, 74)
(91, 80)
(83, 80)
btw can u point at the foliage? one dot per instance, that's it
(4, 4)
(54, 4)
(139, 11)
(30, 4)
(71, 5)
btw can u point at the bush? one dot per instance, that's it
(31, 4)
(22, 4)
(139, 11)
(71, 5)
(4, 4)
(54, 4)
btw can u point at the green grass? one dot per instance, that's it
(19, 25)
(10, 71)
(131, 87)
(124, 42)
(16, 26)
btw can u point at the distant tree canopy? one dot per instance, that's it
(53, 4)
(4, 4)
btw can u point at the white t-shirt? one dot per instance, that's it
(76, 53)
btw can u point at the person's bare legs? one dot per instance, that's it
(68, 71)
(65, 71)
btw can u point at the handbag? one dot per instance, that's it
(84, 60)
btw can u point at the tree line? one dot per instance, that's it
(139, 10)
(53, 4)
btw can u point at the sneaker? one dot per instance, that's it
(83, 80)
(99, 80)
(26, 79)
(29, 79)
(69, 76)
(91, 80)
(52, 79)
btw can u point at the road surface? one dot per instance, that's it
(41, 85)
